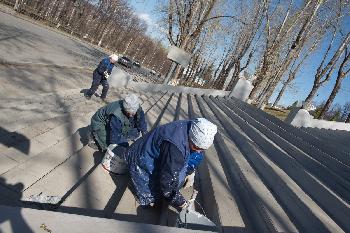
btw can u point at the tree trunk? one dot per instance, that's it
(330, 98)
(310, 97)
(236, 66)
(235, 78)
(280, 94)
(223, 76)
(71, 16)
(348, 119)
(340, 77)
(59, 11)
(271, 89)
(17, 5)
(50, 8)
(258, 84)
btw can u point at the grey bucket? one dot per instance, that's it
(190, 219)
(113, 162)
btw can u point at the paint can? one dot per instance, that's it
(113, 162)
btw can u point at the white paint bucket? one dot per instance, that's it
(113, 163)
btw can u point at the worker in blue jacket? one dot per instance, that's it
(160, 161)
(100, 76)
(117, 123)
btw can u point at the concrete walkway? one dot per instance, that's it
(16, 219)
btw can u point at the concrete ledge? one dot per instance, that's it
(304, 119)
(16, 219)
(119, 78)
(148, 87)
(30, 64)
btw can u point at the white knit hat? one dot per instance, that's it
(114, 57)
(131, 103)
(202, 133)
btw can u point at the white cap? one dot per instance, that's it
(131, 103)
(114, 57)
(202, 133)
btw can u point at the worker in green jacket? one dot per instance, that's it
(117, 123)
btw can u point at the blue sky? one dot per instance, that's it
(302, 84)
(145, 10)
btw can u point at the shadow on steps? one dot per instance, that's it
(10, 139)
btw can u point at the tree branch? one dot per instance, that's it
(225, 16)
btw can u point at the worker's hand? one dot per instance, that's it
(106, 75)
(110, 149)
(183, 206)
(189, 180)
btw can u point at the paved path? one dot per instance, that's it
(23, 41)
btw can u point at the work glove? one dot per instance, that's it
(189, 180)
(184, 205)
(105, 74)
(188, 205)
(110, 149)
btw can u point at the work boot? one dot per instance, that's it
(87, 96)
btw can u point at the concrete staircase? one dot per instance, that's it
(261, 175)
(337, 138)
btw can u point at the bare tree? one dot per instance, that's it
(284, 44)
(186, 20)
(343, 72)
(241, 44)
(345, 111)
(325, 69)
(295, 67)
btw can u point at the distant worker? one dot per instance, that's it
(100, 76)
(161, 162)
(117, 123)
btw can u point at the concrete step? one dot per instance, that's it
(30, 130)
(31, 100)
(72, 172)
(54, 107)
(331, 178)
(336, 137)
(252, 193)
(26, 150)
(17, 118)
(289, 129)
(16, 219)
(219, 199)
(308, 144)
(24, 135)
(170, 111)
(183, 114)
(150, 100)
(323, 211)
(53, 146)
(163, 107)
(256, 178)
(154, 114)
(33, 139)
(33, 169)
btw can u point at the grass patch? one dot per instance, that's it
(279, 113)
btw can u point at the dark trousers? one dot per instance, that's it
(96, 81)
